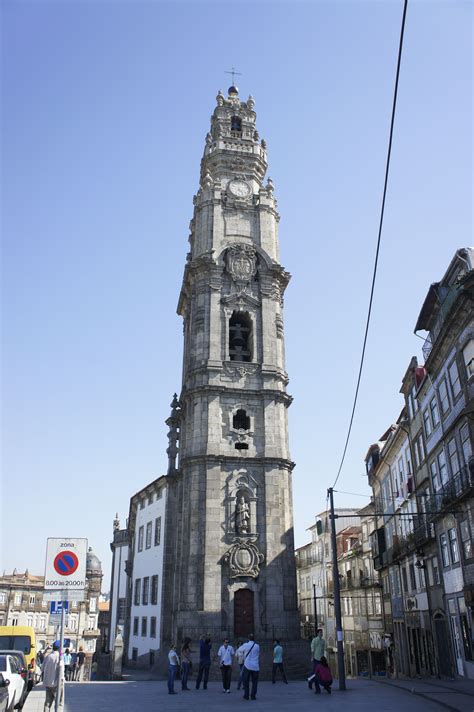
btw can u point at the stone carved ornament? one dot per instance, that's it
(238, 372)
(241, 262)
(243, 558)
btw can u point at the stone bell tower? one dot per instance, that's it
(229, 551)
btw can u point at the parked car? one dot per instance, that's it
(3, 693)
(21, 637)
(16, 689)
(23, 667)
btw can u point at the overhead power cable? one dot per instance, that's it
(382, 211)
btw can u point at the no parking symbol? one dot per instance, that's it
(65, 563)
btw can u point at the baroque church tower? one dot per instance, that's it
(229, 553)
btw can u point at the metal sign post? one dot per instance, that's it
(64, 580)
(60, 686)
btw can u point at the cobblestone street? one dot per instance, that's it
(361, 695)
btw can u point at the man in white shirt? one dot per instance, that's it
(51, 679)
(225, 653)
(251, 650)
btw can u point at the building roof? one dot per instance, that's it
(462, 263)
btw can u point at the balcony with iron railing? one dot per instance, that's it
(458, 487)
(423, 529)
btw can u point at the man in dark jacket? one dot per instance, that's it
(205, 646)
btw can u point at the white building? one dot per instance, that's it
(137, 575)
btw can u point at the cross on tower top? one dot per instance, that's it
(233, 72)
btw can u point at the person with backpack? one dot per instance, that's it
(251, 651)
(323, 676)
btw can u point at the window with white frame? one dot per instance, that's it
(154, 590)
(146, 589)
(148, 535)
(32, 599)
(401, 476)
(419, 450)
(465, 442)
(140, 539)
(29, 621)
(435, 481)
(468, 354)
(17, 599)
(135, 627)
(42, 623)
(453, 456)
(434, 411)
(453, 545)
(3, 597)
(91, 623)
(443, 397)
(454, 379)
(157, 531)
(442, 467)
(144, 626)
(466, 539)
(378, 605)
(136, 598)
(409, 469)
(443, 541)
(153, 627)
(427, 422)
(93, 605)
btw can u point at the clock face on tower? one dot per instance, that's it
(240, 188)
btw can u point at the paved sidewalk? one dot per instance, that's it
(456, 695)
(361, 695)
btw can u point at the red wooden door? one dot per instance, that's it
(243, 612)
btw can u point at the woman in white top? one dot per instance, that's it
(225, 653)
(173, 662)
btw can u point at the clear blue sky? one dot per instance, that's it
(105, 110)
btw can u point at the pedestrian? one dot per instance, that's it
(318, 647)
(73, 666)
(323, 676)
(225, 654)
(278, 662)
(173, 660)
(185, 663)
(94, 668)
(240, 655)
(67, 664)
(251, 651)
(51, 679)
(81, 656)
(205, 646)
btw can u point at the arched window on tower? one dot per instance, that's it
(240, 337)
(236, 124)
(241, 420)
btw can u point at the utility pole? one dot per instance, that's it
(315, 610)
(337, 597)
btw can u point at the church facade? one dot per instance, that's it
(229, 563)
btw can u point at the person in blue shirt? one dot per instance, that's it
(204, 661)
(278, 662)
